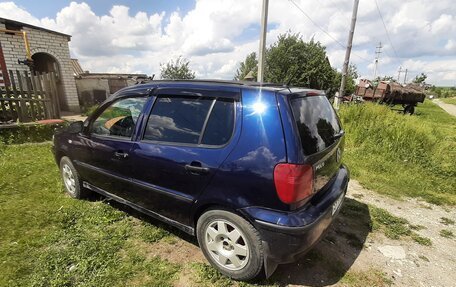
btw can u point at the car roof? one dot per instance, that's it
(195, 84)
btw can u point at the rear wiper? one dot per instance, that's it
(339, 134)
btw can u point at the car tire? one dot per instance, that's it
(71, 180)
(231, 244)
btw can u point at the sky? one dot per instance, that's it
(121, 36)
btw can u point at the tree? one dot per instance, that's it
(387, 78)
(352, 75)
(292, 61)
(176, 70)
(249, 65)
(420, 79)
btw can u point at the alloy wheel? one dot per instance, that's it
(68, 179)
(227, 244)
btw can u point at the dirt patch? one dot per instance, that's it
(175, 250)
(418, 265)
(186, 278)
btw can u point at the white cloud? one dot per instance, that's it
(423, 35)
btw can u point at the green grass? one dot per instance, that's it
(395, 227)
(446, 221)
(446, 233)
(399, 155)
(372, 277)
(449, 100)
(48, 239)
(208, 276)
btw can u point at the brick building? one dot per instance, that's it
(49, 51)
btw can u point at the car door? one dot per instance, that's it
(187, 135)
(108, 142)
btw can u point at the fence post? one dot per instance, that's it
(45, 95)
(19, 106)
(56, 95)
(39, 94)
(30, 95)
(24, 107)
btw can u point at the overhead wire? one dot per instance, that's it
(316, 25)
(386, 30)
(324, 31)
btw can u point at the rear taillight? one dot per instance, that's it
(293, 182)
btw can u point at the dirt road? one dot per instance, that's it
(449, 108)
(407, 262)
(352, 254)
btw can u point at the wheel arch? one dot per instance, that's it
(201, 209)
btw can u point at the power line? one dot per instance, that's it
(316, 25)
(324, 31)
(386, 30)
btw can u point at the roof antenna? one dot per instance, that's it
(291, 78)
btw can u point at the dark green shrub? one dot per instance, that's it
(28, 133)
(89, 110)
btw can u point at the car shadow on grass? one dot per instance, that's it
(332, 257)
(325, 264)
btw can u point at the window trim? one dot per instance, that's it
(203, 130)
(209, 112)
(103, 108)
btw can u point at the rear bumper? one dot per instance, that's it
(288, 235)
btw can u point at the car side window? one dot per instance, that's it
(221, 122)
(179, 119)
(119, 119)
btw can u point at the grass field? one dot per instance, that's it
(449, 100)
(402, 155)
(48, 239)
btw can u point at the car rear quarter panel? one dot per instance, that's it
(245, 178)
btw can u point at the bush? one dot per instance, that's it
(27, 133)
(89, 110)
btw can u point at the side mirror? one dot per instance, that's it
(75, 127)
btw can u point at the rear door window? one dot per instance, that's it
(316, 121)
(190, 120)
(220, 124)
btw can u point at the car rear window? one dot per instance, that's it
(316, 121)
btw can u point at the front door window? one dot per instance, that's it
(119, 119)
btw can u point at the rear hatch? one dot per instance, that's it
(321, 135)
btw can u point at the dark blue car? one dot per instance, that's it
(253, 171)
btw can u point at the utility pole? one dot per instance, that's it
(261, 54)
(405, 77)
(378, 51)
(347, 55)
(399, 74)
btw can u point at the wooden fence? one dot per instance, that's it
(29, 98)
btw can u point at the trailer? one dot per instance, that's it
(391, 93)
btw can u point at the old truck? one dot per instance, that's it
(391, 93)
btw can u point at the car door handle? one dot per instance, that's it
(121, 154)
(196, 169)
